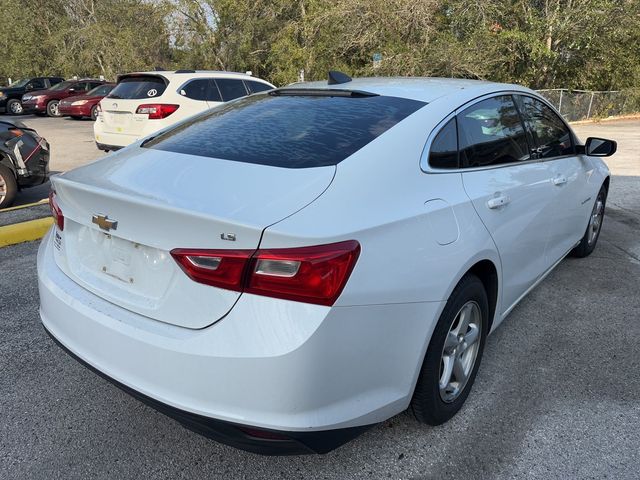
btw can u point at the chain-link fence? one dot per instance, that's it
(577, 105)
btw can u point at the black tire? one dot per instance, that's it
(427, 404)
(94, 113)
(52, 108)
(8, 180)
(590, 238)
(14, 107)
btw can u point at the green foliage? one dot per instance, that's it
(583, 44)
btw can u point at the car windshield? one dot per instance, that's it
(100, 91)
(62, 85)
(20, 83)
(138, 87)
(291, 131)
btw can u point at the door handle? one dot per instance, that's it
(559, 180)
(497, 202)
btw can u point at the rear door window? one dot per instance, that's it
(230, 88)
(490, 132)
(135, 88)
(255, 87)
(213, 94)
(291, 131)
(551, 135)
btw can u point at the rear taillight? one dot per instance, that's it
(56, 213)
(308, 274)
(157, 111)
(218, 268)
(315, 274)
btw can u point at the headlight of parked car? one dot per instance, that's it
(2, 95)
(78, 102)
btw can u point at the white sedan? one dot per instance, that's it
(288, 269)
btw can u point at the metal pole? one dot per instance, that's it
(560, 103)
(590, 103)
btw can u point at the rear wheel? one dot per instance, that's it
(453, 356)
(590, 238)
(52, 108)
(94, 112)
(8, 187)
(14, 107)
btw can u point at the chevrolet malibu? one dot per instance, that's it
(288, 269)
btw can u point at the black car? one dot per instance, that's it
(11, 96)
(24, 160)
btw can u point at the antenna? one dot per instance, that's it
(336, 78)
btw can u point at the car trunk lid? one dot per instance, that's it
(162, 201)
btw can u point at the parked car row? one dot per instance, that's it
(43, 95)
(138, 105)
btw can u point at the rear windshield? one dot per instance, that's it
(132, 88)
(101, 90)
(287, 131)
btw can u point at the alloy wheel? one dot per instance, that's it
(460, 351)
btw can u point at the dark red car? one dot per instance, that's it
(84, 105)
(45, 102)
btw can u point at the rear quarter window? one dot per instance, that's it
(287, 131)
(133, 88)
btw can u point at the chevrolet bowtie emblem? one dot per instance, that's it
(104, 223)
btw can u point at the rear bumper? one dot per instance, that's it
(317, 375)
(112, 140)
(236, 435)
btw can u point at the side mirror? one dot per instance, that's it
(600, 147)
(28, 88)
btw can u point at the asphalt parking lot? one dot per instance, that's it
(557, 396)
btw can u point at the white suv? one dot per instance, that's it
(145, 102)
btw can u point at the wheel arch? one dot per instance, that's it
(7, 161)
(487, 272)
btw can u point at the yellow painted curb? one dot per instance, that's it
(24, 231)
(10, 209)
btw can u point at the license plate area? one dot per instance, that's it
(118, 268)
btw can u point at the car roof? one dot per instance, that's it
(424, 89)
(187, 74)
